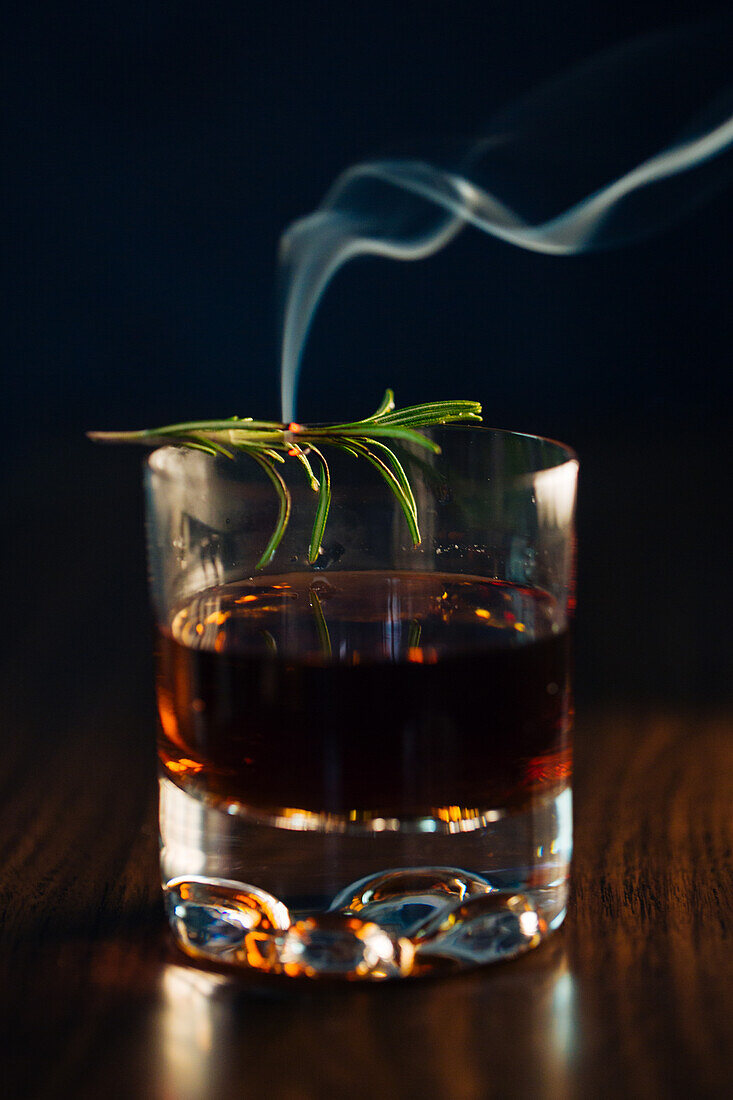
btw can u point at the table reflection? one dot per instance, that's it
(190, 1032)
(445, 1036)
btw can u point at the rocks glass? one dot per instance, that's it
(365, 764)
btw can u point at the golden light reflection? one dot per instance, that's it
(482, 613)
(422, 655)
(464, 819)
(217, 617)
(188, 1033)
(183, 766)
(167, 716)
(454, 813)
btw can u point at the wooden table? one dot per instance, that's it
(632, 998)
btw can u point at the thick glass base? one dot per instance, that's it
(306, 896)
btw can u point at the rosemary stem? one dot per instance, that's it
(269, 442)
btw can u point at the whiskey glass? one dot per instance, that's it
(365, 763)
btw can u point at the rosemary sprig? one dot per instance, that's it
(269, 442)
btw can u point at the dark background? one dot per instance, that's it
(155, 152)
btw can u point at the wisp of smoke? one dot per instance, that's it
(608, 153)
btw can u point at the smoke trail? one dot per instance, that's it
(598, 132)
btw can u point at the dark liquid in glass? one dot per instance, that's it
(366, 694)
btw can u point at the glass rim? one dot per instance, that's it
(568, 454)
(156, 461)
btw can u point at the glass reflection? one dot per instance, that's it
(189, 1033)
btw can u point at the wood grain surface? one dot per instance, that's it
(632, 998)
